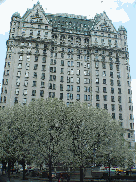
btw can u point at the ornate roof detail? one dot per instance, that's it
(122, 28)
(16, 14)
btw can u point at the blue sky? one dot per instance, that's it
(121, 12)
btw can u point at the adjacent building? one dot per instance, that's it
(69, 57)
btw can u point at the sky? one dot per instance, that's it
(121, 12)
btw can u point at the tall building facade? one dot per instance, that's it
(69, 57)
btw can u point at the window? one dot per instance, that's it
(105, 106)
(68, 87)
(50, 85)
(71, 96)
(18, 73)
(128, 91)
(118, 83)
(53, 69)
(119, 99)
(104, 90)
(113, 115)
(61, 96)
(117, 67)
(34, 83)
(88, 89)
(118, 75)
(35, 66)
(17, 91)
(119, 90)
(78, 88)
(97, 73)
(131, 126)
(71, 79)
(68, 63)
(26, 74)
(53, 62)
(62, 62)
(103, 65)
(54, 86)
(78, 80)
(52, 94)
(42, 84)
(120, 107)
(71, 72)
(33, 92)
(61, 79)
(128, 83)
(43, 67)
(78, 64)
(88, 65)
(41, 93)
(97, 97)
(130, 116)
(97, 80)
(68, 79)
(86, 80)
(102, 40)
(97, 105)
(78, 96)
(44, 60)
(104, 81)
(27, 66)
(112, 90)
(20, 58)
(78, 72)
(104, 73)
(46, 27)
(129, 99)
(96, 64)
(112, 99)
(16, 100)
(112, 107)
(111, 82)
(111, 74)
(36, 58)
(128, 135)
(26, 83)
(72, 63)
(86, 72)
(97, 88)
(62, 70)
(105, 97)
(111, 66)
(43, 76)
(20, 65)
(61, 87)
(85, 97)
(25, 92)
(71, 87)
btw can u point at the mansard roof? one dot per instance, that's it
(68, 21)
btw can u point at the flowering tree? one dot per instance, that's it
(47, 131)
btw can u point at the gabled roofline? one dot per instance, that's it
(29, 10)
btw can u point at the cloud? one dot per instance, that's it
(127, 1)
(118, 15)
(2, 1)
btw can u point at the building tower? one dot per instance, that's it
(69, 57)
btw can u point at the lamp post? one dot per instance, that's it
(109, 161)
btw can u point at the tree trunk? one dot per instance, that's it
(9, 167)
(50, 172)
(23, 165)
(109, 171)
(81, 174)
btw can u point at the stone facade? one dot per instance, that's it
(72, 58)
